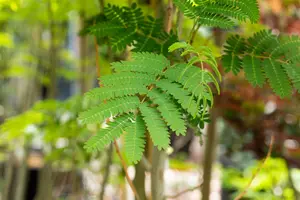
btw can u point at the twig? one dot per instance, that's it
(183, 192)
(194, 33)
(115, 143)
(179, 23)
(97, 58)
(101, 4)
(125, 170)
(169, 16)
(62, 186)
(257, 170)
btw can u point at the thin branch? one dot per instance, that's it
(169, 17)
(179, 23)
(61, 186)
(125, 170)
(194, 33)
(97, 58)
(183, 192)
(240, 196)
(52, 53)
(192, 30)
(101, 4)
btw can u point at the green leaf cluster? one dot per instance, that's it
(127, 26)
(265, 56)
(219, 13)
(149, 95)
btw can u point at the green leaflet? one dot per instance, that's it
(144, 62)
(277, 78)
(115, 14)
(245, 7)
(203, 55)
(260, 42)
(226, 10)
(169, 111)
(253, 71)
(150, 59)
(110, 108)
(120, 41)
(106, 136)
(135, 140)
(155, 125)
(287, 46)
(106, 93)
(106, 29)
(293, 71)
(194, 80)
(231, 61)
(126, 78)
(182, 96)
(152, 39)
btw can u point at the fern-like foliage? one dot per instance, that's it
(265, 56)
(127, 26)
(219, 13)
(148, 94)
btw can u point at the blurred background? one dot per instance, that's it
(45, 67)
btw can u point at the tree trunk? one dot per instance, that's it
(8, 176)
(209, 154)
(45, 183)
(22, 177)
(83, 56)
(107, 171)
(157, 174)
(52, 54)
(139, 180)
(159, 158)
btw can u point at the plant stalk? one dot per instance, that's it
(139, 180)
(52, 53)
(22, 176)
(8, 176)
(209, 154)
(83, 56)
(45, 183)
(157, 174)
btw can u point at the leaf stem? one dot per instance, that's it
(192, 30)
(240, 196)
(194, 33)
(262, 57)
(183, 192)
(125, 170)
(169, 16)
